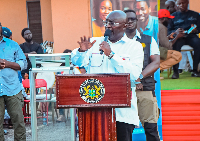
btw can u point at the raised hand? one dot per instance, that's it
(85, 44)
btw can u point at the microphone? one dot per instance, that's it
(106, 35)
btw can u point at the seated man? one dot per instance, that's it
(184, 18)
(29, 47)
(169, 57)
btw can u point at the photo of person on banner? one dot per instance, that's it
(101, 9)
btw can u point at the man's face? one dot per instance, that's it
(170, 6)
(142, 11)
(182, 5)
(131, 21)
(104, 9)
(165, 21)
(116, 24)
(28, 35)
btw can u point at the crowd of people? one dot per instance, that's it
(176, 29)
(138, 50)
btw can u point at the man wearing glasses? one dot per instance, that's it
(145, 84)
(121, 55)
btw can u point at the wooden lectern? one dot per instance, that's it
(95, 96)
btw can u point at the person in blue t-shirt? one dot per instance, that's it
(147, 24)
(12, 59)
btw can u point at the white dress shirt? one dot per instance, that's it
(154, 49)
(128, 58)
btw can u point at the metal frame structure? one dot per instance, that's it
(33, 100)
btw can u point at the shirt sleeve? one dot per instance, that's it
(132, 66)
(80, 59)
(198, 23)
(170, 27)
(20, 58)
(154, 50)
(163, 39)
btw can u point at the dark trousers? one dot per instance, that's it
(124, 131)
(151, 131)
(194, 42)
(14, 106)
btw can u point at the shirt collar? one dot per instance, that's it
(123, 39)
(137, 34)
(149, 23)
(2, 40)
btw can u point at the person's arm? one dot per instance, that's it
(153, 66)
(155, 59)
(20, 60)
(133, 65)
(7, 64)
(39, 50)
(170, 27)
(179, 34)
(80, 56)
(149, 70)
(163, 39)
(198, 23)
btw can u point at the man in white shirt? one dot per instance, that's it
(145, 84)
(121, 55)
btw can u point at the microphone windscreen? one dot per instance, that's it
(107, 33)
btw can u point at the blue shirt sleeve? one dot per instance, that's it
(20, 58)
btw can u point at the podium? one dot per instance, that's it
(95, 96)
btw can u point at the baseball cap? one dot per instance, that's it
(164, 13)
(6, 32)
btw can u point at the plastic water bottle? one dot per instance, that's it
(44, 119)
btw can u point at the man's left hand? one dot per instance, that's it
(139, 86)
(105, 47)
(2, 63)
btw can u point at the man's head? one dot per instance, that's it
(104, 9)
(131, 20)
(67, 51)
(170, 6)
(164, 16)
(143, 9)
(6, 32)
(182, 5)
(116, 22)
(27, 35)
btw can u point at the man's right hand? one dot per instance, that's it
(2, 63)
(85, 44)
(180, 33)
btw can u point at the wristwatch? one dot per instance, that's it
(111, 55)
(141, 76)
